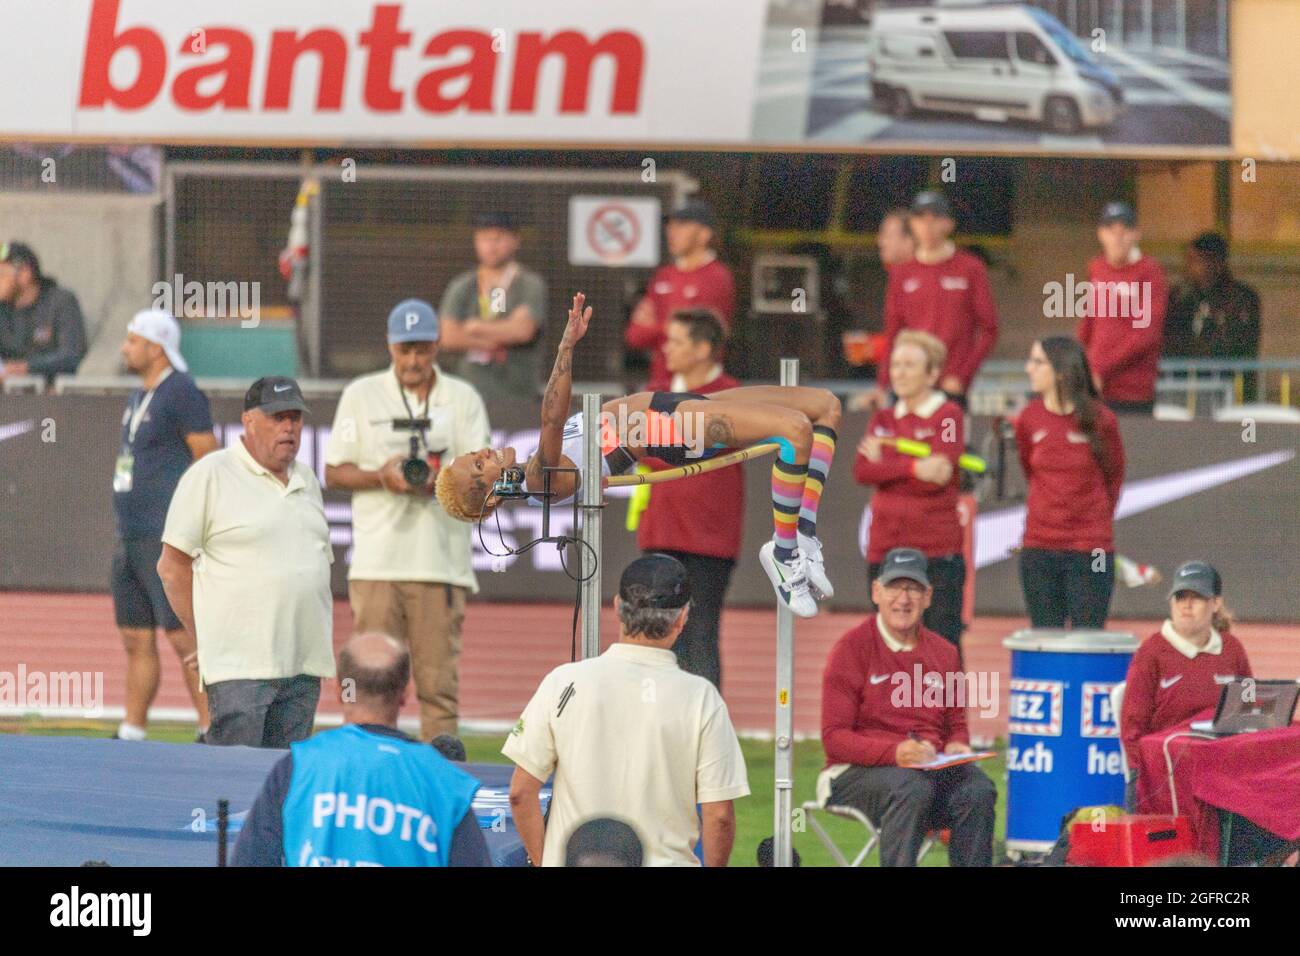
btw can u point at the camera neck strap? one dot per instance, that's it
(424, 413)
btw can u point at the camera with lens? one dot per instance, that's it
(415, 467)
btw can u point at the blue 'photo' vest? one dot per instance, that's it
(363, 799)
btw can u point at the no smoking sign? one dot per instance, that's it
(613, 231)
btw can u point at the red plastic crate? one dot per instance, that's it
(1129, 841)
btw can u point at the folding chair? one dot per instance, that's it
(811, 808)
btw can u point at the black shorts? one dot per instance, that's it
(665, 403)
(138, 598)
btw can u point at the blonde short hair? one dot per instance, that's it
(936, 353)
(452, 500)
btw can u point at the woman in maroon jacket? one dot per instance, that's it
(1174, 674)
(1073, 460)
(915, 504)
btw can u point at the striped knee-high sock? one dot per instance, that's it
(787, 493)
(819, 466)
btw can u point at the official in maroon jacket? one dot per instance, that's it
(695, 279)
(915, 503)
(944, 291)
(1073, 460)
(877, 728)
(698, 521)
(1172, 677)
(1123, 329)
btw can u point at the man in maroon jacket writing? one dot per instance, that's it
(888, 707)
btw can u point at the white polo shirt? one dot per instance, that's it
(402, 537)
(262, 602)
(630, 735)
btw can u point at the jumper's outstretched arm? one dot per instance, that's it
(559, 392)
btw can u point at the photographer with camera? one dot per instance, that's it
(410, 572)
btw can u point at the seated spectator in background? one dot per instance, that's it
(699, 521)
(945, 291)
(365, 794)
(495, 315)
(876, 731)
(1211, 314)
(1171, 678)
(603, 842)
(915, 502)
(1125, 319)
(695, 279)
(42, 331)
(629, 733)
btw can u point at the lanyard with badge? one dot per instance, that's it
(125, 466)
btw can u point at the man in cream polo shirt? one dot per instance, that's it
(246, 567)
(631, 735)
(410, 572)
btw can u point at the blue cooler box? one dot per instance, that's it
(1064, 736)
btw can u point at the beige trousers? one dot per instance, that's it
(428, 618)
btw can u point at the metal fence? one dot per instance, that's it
(388, 233)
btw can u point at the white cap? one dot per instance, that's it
(160, 328)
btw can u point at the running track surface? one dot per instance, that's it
(509, 647)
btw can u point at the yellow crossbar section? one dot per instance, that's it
(695, 468)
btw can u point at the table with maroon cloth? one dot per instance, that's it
(1255, 775)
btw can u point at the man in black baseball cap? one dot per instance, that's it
(1122, 326)
(272, 419)
(694, 279)
(630, 733)
(944, 291)
(42, 331)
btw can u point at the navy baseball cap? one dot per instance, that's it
(1118, 212)
(904, 563)
(932, 201)
(273, 394)
(412, 321)
(695, 210)
(496, 220)
(655, 580)
(1199, 577)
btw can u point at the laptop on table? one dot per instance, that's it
(1247, 705)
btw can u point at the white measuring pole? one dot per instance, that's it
(784, 793)
(591, 497)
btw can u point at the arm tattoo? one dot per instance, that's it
(552, 408)
(718, 430)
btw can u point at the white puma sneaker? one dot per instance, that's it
(790, 579)
(811, 549)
